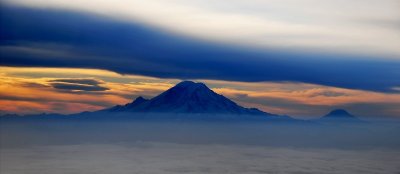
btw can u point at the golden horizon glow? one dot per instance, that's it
(29, 90)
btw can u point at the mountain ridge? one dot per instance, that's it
(189, 100)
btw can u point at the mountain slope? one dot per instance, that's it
(187, 97)
(128, 106)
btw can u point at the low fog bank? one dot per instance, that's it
(166, 158)
(120, 145)
(100, 129)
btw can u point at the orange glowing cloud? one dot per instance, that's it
(304, 94)
(64, 90)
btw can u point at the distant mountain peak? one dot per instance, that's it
(187, 97)
(339, 113)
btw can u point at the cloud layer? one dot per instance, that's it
(132, 146)
(77, 84)
(170, 158)
(361, 27)
(54, 38)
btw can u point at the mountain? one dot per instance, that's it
(187, 97)
(339, 115)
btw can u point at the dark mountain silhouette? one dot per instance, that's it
(187, 97)
(340, 115)
(187, 101)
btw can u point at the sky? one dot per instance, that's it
(297, 57)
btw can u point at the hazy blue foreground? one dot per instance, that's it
(121, 146)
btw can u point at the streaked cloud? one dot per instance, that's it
(357, 27)
(72, 39)
(78, 84)
(37, 90)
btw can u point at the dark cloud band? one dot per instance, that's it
(65, 86)
(33, 37)
(89, 85)
(92, 82)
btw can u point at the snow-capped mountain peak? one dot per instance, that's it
(187, 97)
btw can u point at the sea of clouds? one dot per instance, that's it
(120, 147)
(163, 158)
